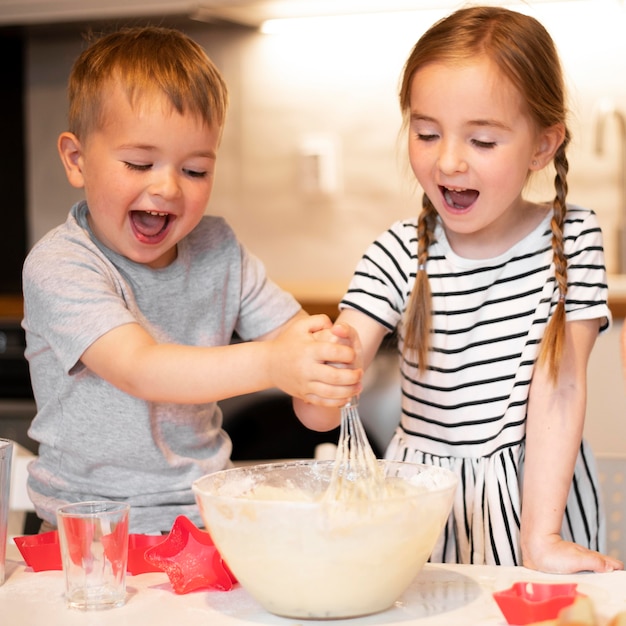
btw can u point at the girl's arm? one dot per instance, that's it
(369, 337)
(290, 358)
(556, 415)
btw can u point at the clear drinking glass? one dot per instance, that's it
(6, 453)
(94, 553)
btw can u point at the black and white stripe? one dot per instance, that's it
(468, 410)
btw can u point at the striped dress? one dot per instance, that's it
(468, 411)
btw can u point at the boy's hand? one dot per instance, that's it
(304, 359)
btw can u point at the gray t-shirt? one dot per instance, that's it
(97, 442)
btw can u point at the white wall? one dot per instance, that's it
(340, 82)
(605, 426)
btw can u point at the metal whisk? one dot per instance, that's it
(356, 473)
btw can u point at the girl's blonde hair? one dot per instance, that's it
(524, 52)
(145, 61)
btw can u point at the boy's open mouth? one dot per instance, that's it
(150, 226)
(459, 198)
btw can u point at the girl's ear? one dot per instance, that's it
(71, 155)
(548, 143)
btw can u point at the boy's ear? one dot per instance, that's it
(547, 144)
(71, 155)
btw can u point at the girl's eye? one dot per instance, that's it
(136, 167)
(427, 136)
(484, 144)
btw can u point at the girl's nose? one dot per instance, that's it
(451, 158)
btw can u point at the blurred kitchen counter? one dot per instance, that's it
(324, 296)
(11, 307)
(617, 295)
(318, 296)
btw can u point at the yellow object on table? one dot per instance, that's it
(581, 613)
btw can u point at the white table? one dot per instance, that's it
(441, 595)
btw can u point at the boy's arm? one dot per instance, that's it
(292, 360)
(313, 413)
(556, 415)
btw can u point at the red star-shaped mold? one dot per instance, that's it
(190, 559)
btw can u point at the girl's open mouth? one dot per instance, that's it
(150, 226)
(459, 198)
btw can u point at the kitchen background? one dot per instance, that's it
(312, 165)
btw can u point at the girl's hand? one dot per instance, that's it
(556, 556)
(361, 336)
(343, 334)
(347, 335)
(302, 361)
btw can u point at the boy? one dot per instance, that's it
(130, 305)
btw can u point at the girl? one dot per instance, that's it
(496, 300)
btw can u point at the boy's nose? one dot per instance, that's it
(165, 183)
(451, 158)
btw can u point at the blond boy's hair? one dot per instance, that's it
(145, 61)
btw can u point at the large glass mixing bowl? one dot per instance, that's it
(302, 556)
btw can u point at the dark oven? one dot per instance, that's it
(17, 406)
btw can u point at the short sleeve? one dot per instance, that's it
(71, 297)
(587, 288)
(264, 305)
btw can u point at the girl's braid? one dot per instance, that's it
(554, 338)
(417, 331)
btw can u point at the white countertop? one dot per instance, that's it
(441, 595)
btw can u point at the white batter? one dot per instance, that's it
(300, 555)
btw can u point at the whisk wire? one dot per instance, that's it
(356, 473)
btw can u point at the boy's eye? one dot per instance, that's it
(137, 167)
(195, 173)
